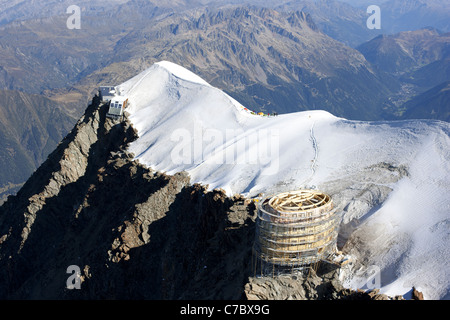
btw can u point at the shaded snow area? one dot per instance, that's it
(390, 180)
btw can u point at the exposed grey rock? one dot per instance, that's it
(312, 287)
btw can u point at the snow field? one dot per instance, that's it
(184, 124)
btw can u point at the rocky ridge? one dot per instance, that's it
(134, 233)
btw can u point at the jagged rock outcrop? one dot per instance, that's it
(313, 287)
(417, 295)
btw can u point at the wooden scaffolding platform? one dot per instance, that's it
(294, 232)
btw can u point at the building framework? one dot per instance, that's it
(294, 232)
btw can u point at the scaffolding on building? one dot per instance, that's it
(295, 231)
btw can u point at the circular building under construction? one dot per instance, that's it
(294, 232)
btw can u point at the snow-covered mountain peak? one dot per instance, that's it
(181, 72)
(389, 180)
(176, 111)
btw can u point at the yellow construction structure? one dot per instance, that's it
(294, 231)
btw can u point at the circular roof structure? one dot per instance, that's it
(294, 206)
(299, 201)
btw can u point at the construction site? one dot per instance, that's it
(295, 231)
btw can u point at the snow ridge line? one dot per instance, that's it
(316, 154)
(316, 150)
(139, 81)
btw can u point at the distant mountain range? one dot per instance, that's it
(270, 61)
(276, 61)
(407, 51)
(420, 61)
(344, 20)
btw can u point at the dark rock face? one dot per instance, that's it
(133, 232)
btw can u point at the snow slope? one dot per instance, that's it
(390, 180)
